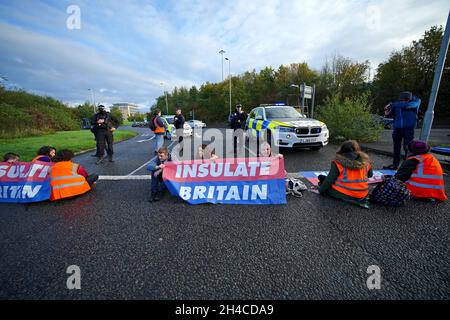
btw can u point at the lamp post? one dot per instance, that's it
(93, 97)
(222, 52)
(229, 75)
(165, 93)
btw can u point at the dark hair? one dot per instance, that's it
(238, 105)
(156, 112)
(45, 151)
(163, 150)
(64, 155)
(349, 146)
(9, 156)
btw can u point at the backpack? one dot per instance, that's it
(391, 192)
(152, 125)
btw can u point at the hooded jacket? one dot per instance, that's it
(351, 160)
(405, 113)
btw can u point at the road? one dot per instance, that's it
(312, 248)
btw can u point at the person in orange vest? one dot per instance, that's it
(422, 173)
(159, 128)
(348, 176)
(45, 154)
(69, 179)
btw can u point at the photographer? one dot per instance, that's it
(103, 126)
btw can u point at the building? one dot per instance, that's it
(127, 109)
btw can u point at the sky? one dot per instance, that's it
(131, 51)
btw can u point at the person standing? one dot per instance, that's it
(103, 127)
(238, 120)
(405, 112)
(179, 124)
(159, 127)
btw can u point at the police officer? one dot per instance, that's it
(103, 126)
(179, 124)
(238, 120)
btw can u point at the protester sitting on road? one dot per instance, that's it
(265, 151)
(69, 179)
(11, 157)
(348, 176)
(205, 153)
(156, 167)
(45, 154)
(422, 173)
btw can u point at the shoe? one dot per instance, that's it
(157, 197)
(390, 167)
(100, 159)
(110, 159)
(152, 197)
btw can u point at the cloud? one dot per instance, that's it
(124, 50)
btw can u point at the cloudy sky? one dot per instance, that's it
(124, 50)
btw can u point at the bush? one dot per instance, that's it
(350, 118)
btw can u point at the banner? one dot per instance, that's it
(25, 182)
(312, 176)
(228, 181)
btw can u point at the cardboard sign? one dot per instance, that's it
(228, 181)
(25, 182)
(312, 176)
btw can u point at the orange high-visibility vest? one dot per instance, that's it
(66, 182)
(427, 180)
(158, 128)
(36, 158)
(352, 182)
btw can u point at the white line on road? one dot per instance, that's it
(147, 139)
(130, 174)
(141, 177)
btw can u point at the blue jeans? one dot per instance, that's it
(159, 141)
(405, 135)
(158, 184)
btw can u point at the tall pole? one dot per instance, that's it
(93, 98)
(229, 74)
(429, 115)
(222, 52)
(167, 104)
(312, 102)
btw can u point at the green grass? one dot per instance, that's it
(73, 140)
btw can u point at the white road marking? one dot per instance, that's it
(115, 178)
(147, 139)
(145, 164)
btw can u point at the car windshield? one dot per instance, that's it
(281, 112)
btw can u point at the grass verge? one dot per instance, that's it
(73, 140)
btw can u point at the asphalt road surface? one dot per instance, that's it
(312, 248)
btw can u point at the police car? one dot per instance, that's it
(286, 127)
(171, 132)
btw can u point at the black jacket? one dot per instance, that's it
(110, 121)
(179, 121)
(238, 120)
(406, 169)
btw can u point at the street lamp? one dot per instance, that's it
(93, 97)
(229, 74)
(222, 52)
(165, 93)
(299, 92)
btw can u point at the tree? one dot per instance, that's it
(116, 113)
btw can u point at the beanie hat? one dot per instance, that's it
(406, 95)
(418, 147)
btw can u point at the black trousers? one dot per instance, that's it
(399, 136)
(104, 139)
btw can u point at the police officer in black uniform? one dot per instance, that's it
(103, 126)
(238, 120)
(179, 124)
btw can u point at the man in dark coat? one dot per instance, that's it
(103, 126)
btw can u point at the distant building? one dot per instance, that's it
(127, 109)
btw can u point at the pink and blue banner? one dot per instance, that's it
(25, 182)
(228, 181)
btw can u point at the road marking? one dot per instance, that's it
(115, 178)
(147, 139)
(130, 174)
